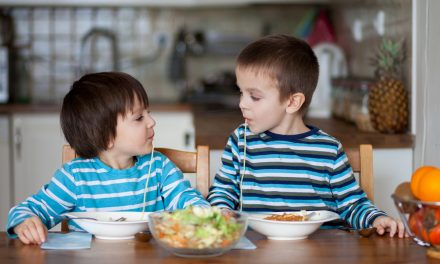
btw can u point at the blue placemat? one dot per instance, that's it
(72, 240)
(244, 243)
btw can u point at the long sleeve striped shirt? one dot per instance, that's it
(308, 171)
(87, 185)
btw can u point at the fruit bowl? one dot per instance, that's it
(197, 231)
(421, 220)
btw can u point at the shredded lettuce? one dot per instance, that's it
(198, 227)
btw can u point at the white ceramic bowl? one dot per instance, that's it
(289, 230)
(107, 228)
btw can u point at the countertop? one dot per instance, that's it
(213, 126)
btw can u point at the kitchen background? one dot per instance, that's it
(182, 54)
(172, 49)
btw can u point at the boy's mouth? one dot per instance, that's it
(151, 136)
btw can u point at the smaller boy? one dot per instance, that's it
(105, 119)
(275, 162)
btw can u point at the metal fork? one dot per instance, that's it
(81, 217)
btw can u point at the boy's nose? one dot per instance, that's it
(151, 122)
(241, 104)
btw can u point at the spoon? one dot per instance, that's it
(312, 214)
(75, 218)
(120, 219)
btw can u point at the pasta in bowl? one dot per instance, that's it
(289, 225)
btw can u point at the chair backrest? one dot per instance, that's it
(192, 162)
(361, 160)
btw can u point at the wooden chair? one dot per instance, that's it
(187, 161)
(361, 160)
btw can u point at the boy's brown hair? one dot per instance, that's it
(291, 62)
(90, 109)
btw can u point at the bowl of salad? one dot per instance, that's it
(197, 231)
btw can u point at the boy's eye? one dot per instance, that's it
(255, 98)
(140, 118)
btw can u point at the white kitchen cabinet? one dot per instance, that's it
(174, 129)
(36, 150)
(5, 171)
(390, 167)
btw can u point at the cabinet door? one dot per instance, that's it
(37, 144)
(5, 171)
(174, 130)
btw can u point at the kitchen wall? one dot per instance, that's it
(54, 50)
(360, 27)
(357, 26)
(426, 81)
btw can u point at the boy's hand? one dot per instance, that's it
(31, 231)
(387, 224)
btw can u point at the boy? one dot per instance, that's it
(105, 119)
(274, 162)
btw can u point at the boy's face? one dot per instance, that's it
(134, 132)
(260, 102)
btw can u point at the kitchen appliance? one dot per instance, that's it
(217, 90)
(332, 64)
(6, 43)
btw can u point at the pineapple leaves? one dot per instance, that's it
(389, 57)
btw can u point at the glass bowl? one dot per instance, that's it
(198, 231)
(422, 222)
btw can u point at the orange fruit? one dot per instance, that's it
(416, 176)
(415, 223)
(429, 186)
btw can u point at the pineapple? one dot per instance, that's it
(388, 98)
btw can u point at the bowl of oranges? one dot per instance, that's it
(418, 204)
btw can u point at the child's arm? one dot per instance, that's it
(177, 192)
(225, 190)
(52, 200)
(351, 201)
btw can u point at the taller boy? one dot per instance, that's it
(275, 162)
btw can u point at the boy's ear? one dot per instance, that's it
(295, 102)
(110, 144)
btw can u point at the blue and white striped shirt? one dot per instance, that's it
(90, 185)
(308, 171)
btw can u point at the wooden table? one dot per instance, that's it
(324, 246)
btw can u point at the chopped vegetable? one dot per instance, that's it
(198, 228)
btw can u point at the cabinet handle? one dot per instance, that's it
(187, 139)
(18, 139)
